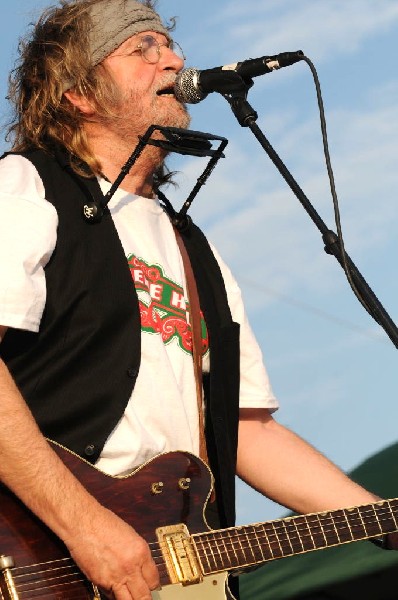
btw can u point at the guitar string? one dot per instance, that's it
(44, 587)
(61, 579)
(28, 576)
(43, 581)
(257, 532)
(83, 595)
(75, 595)
(245, 534)
(68, 568)
(42, 592)
(248, 532)
(282, 531)
(371, 518)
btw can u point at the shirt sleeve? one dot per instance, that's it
(28, 232)
(255, 387)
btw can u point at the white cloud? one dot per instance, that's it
(320, 28)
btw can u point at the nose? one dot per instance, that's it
(170, 61)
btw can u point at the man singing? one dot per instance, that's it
(96, 348)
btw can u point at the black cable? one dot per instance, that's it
(325, 143)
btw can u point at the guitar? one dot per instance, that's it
(164, 500)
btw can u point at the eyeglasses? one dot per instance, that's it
(150, 49)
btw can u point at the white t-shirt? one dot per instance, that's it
(162, 412)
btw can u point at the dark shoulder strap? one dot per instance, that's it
(207, 271)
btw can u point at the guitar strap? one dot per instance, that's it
(196, 328)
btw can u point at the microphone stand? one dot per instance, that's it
(247, 117)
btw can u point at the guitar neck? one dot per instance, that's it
(244, 547)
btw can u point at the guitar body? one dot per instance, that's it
(173, 488)
(164, 500)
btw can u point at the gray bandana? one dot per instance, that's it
(114, 21)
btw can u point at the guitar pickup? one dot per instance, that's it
(179, 554)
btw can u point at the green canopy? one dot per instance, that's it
(358, 570)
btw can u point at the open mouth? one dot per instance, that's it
(168, 91)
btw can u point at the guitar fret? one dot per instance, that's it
(254, 544)
(218, 556)
(204, 555)
(242, 550)
(355, 523)
(392, 514)
(226, 553)
(317, 532)
(362, 521)
(278, 539)
(261, 541)
(305, 534)
(293, 522)
(287, 537)
(212, 557)
(329, 529)
(375, 526)
(377, 519)
(307, 522)
(333, 516)
(322, 532)
(259, 544)
(371, 520)
(350, 532)
(257, 549)
(269, 534)
(266, 546)
(393, 505)
(339, 520)
(234, 550)
(249, 543)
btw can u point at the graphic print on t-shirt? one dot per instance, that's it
(162, 304)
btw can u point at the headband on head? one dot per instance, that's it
(113, 22)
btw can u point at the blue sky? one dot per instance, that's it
(332, 368)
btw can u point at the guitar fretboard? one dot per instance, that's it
(247, 546)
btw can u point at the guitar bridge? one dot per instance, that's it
(7, 583)
(179, 554)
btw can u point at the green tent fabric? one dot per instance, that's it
(353, 571)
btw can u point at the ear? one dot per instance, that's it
(80, 102)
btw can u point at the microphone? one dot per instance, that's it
(192, 86)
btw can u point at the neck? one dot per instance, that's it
(113, 152)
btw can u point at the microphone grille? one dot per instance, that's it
(187, 88)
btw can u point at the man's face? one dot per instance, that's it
(146, 88)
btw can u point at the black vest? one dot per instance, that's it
(78, 372)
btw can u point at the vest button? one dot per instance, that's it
(132, 372)
(89, 450)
